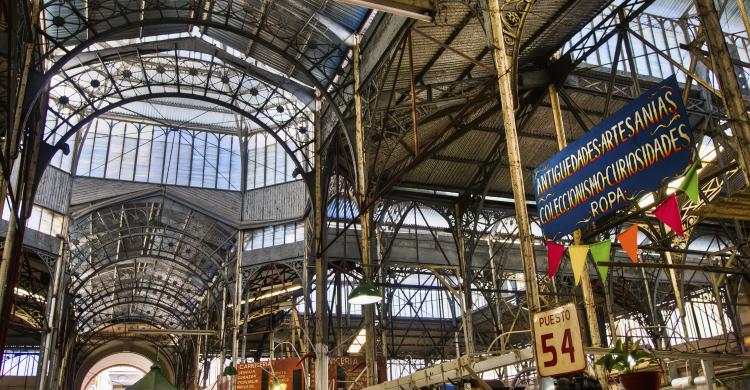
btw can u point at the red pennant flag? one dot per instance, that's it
(669, 213)
(554, 255)
(629, 242)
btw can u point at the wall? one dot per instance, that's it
(17, 382)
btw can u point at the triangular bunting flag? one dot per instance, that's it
(600, 252)
(554, 255)
(629, 242)
(669, 213)
(689, 183)
(578, 255)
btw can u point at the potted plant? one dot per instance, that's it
(634, 365)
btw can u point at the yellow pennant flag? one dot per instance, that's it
(578, 255)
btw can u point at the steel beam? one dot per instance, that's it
(738, 117)
(415, 9)
(453, 370)
(177, 332)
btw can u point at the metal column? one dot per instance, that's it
(237, 297)
(504, 68)
(588, 293)
(321, 266)
(364, 219)
(52, 325)
(222, 323)
(465, 297)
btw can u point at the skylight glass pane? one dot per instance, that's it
(114, 152)
(211, 163)
(35, 218)
(280, 163)
(236, 170)
(260, 161)
(84, 160)
(99, 154)
(199, 150)
(252, 163)
(225, 156)
(127, 170)
(185, 158)
(270, 160)
(144, 153)
(158, 149)
(172, 152)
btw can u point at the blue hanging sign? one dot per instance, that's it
(639, 149)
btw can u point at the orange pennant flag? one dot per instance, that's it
(629, 241)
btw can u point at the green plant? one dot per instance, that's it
(230, 371)
(624, 357)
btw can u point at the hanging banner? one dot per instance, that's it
(639, 149)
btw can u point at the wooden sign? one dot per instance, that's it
(557, 341)
(345, 371)
(261, 375)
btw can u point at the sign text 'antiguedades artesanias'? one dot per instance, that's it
(635, 151)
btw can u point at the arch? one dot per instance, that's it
(127, 234)
(164, 290)
(190, 21)
(86, 120)
(165, 19)
(128, 359)
(122, 319)
(141, 347)
(208, 256)
(167, 309)
(79, 283)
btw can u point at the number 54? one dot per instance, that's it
(566, 347)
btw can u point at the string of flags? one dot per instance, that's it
(668, 212)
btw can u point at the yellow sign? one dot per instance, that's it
(557, 341)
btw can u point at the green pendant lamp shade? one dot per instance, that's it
(364, 294)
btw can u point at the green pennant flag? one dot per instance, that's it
(600, 252)
(689, 183)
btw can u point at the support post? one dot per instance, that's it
(588, 293)
(10, 151)
(673, 279)
(11, 256)
(465, 297)
(222, 324)
(53, 323)
(743, 14)
(321, 331)
(495, 285)
(381, 276)
(364, 220)
(237, 298)
(197, 362)
(504, 69)
(738, 118)
(589, 306)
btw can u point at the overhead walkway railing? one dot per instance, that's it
(471, 367)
